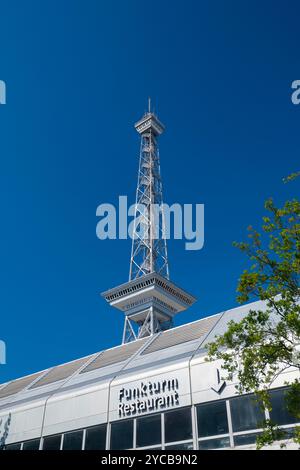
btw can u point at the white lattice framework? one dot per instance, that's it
(149, 247)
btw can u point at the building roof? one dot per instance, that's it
(180, 343)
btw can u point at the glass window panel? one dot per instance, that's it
(288, 433)
(121, 435)
(150, 448)
(245, 439)
(52, 442)
(212, 419)
(95, 438)
(73, 440)
(279, 413)
(214, 443)
(178, 425)
(246, 413)
(16, 446)
(148, 431)
(183, 446)
(33, 444)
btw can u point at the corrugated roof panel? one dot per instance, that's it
(236, 314)
(60, 372)
(182, 334)
(17, 385)
(115, 355)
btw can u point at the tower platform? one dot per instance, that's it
(149, 304)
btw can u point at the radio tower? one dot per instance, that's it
(149, 246)
(149, 300)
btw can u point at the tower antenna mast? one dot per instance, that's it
(149, 246)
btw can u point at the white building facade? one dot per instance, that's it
(158, 392)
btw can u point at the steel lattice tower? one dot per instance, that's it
(149, 246)
(149, 300)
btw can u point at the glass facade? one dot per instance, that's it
(221, 424)
(73, 440)
(121, 436)
(212, 419)
(279, 413)
(220, 443)
(178, 425)
(95, 438)
(183, 446)
(148, 431)
(16, 446)
(52, 442)
(246, 413)
(245, 439)
(34, 444)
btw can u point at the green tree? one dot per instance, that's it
(267, 342)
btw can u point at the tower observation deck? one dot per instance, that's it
(149, 299)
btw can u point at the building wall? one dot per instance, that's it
(85, 402)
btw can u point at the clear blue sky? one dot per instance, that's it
(78, 75)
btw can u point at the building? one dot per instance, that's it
(154, 391)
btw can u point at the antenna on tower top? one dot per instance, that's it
(149, 105)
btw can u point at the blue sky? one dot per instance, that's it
(78, 75)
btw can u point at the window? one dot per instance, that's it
(183, 446)
(95, 438)
(148, 431)
(121, 435)
(245, 439)
(289, 433)
(279, 413)
(214, 443)
(212, 419)
(52, 442)
(73, 440)
(33, 444)
(178, 425)
(246, 413)
(16, 446)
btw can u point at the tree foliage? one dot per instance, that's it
(266, 342)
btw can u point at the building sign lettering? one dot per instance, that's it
(148, 396)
